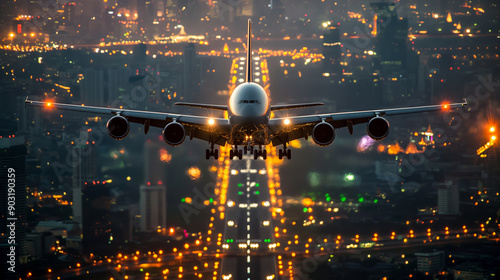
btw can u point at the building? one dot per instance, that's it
(14, 192)
(96, 205)
(448, 199)
(69, 13)
(390, 34)
(84, 170)
(430, 262)
(153, 207)
(102, 87)
(492, 169)
(332, 51)
(191, 73)
(40, 244)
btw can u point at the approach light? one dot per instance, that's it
(492, 129)
(286, 121)
(493, 138)
(211, 121)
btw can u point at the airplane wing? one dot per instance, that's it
(203, 106)
(288, 129)
(196, 126)
(294, 106)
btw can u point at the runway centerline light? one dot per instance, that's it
(286, 121)
(211, 121)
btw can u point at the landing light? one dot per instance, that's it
(445, 106)
(286, 121)
(49, 104)
(211, 121)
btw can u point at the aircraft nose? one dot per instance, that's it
(248, 111)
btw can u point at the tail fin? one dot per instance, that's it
(249, 53)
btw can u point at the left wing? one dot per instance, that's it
(204, 128)
(301, 126)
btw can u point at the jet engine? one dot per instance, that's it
(118, 127)
(323, 134)
(174, 134)
(377, 128)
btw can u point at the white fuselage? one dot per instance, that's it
(249, 114)
(249, 100)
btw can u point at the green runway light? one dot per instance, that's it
(361, 199)
(328, 199)
(257, 185)
(343, 198)
(240, 193)
(183, 199)
(304, 210)
(211, 200)
(257, 192)
(240, 185)
(375, 201)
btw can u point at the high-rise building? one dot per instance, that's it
(96, 205)
(13, 193)
(430, 262)
(191, 85)
(332, 51)
(84, 170)
(69, 13)
(102, 87)
(448, 199)
(153, 207)
(492, 169)
(390, 34)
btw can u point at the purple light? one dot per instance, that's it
(365, 143)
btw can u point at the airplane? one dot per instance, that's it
(249, 123)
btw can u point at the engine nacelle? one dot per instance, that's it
(323, 134)
(174, 134)
(377, 128)
(118, 127)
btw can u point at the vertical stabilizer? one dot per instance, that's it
(249, 77)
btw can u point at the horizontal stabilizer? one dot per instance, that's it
(295, 106)
(203, 106)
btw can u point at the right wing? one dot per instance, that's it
(288, 129)
(294, 106)
(196, 126)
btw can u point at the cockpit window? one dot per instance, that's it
(249, 101)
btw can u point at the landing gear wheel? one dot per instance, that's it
(240, 154)
(245, 150)
(231, 154)
(280, 153)
(216, 154)
(289, 154)
(264, 154)
(207, 154)
(255, 155)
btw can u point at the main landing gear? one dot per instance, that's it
(212, 152)
(260, 153)
(235, 153)
(285, 153)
